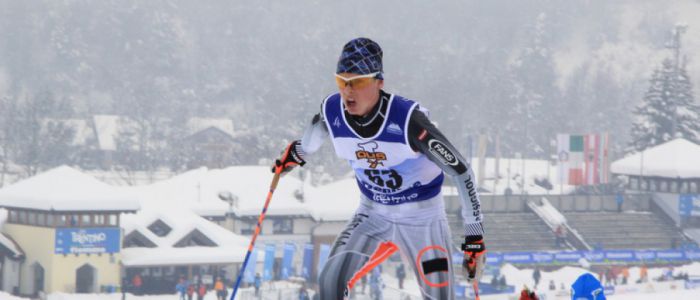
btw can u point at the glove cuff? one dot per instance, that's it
(473, 243)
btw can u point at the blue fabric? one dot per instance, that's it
(308, 261)
(587, 287)
(393, 130)
(420, 193)
(269, 262)
(361, 56)
(289, 250)
(249, 273)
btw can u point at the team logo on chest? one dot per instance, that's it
(368, 151)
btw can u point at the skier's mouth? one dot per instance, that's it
(350, 103)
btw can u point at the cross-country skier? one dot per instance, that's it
(399, 158)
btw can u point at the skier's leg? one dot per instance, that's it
(427, 245)
(350, 251)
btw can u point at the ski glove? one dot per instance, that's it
(290, 158)
(474, 257)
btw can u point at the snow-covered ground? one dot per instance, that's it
(517, 277)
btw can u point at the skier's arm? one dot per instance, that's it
(424, 137)
(314, 136)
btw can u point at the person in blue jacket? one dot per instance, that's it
(587, 287)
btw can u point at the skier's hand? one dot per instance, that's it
(290, 158)
(474, 257)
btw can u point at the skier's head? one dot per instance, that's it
(359, 75)
(361, 56)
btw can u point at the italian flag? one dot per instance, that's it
(583, 159)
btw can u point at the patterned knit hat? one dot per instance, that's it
(361, 56)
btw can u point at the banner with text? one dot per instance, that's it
(87, 240)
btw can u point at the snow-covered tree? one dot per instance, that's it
(667, 111)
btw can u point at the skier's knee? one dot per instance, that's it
(433, 260)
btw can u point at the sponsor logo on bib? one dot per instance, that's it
(367, 152)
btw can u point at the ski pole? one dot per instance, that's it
(476, 290)
(273, 186)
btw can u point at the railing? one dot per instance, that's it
(553, 218)
(564, 203)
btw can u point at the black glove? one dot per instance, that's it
(290, 158)
(474, 257)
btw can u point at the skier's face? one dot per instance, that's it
(359, 93)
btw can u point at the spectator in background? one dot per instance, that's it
(363, 280)
(611, 276)
(400, 274)
(536, 276)
(190, 291)
(619, 199)
(124, 287)
(136, 283)
(201, 291)
(376, 285)
(181, 288)
(494, 283)
(257, 282)
(587, 287)
(643, 274)
(625, 274)
(560, 235)
(527, 294)
(220, 289)
(303, 293)
(552, 286)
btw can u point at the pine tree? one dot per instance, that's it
(667, 111)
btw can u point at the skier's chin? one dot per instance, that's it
(351, 107)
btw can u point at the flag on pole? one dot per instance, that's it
(287, 258)
(249, 273)
(269, 262)
(583, 159)
(322, 257)
(308, 261)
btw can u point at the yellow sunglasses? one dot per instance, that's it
(356, 82)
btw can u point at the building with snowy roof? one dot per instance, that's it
(672, 167)
(69, 232)
(162, 245)
(66, 224)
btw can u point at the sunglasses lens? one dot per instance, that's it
(341, 83)
(356, 83)
(360, 82)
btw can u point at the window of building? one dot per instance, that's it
(74, 220)
(693, 187)
(31, 218)
(61, 220)
(159, 228)
(49, 220)
(634, 183)
(674, 186)
(282, 226)
(13, 216)
(248, 228)
(41, 219)
(136, 239)
(112, 220)
(99, 220)
(643, 184)
(86, 220)
(663, 186)
(195, 238)
(684, 187)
